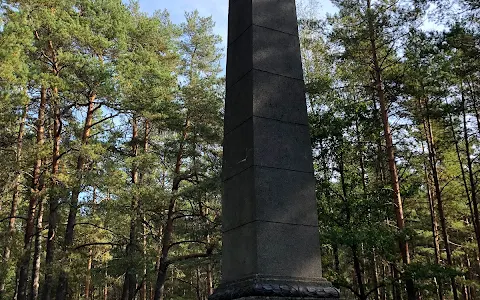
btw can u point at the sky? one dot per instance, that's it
(218, 9)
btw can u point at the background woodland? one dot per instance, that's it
(111, 128)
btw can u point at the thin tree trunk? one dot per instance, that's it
(34, 199)
(168, 228)
(375, 274)
(464, 288)
(130, 282)
(37, 253)
(143, 290)
(143, 294)
(365, 194)
(397, 199)
(336, 258)
(432, 158)
(474, 102)
(72, 215)
(105, 292)
(88, 276)
(198, 285)
(161, 278)
(54, 188)
(396, 290)
(105, 285)
(54, 200)
(471, 276)
(209, 281)
(356, 261)
(464, 178)
(383, 294)
(431, 203)
(14, 206)
(471, 176)
(358, 273)
(436, 242)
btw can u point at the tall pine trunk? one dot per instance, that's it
(397, 199)
(363, 175)
(143, 291)
(471, 176)
(434, 224)
(358, 273)
(53, 200)
(209, 281)
(37, 254)
(130, 282)
(54, 183)
(34, 199)
(88, 276)
(464, 178)
(63, 279)
(168, 227)
(432, 159)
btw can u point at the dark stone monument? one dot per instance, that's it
(271, 246)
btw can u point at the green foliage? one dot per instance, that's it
(425, 78)
(109, 68)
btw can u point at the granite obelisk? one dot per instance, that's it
(270, 225)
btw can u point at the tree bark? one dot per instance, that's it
(34, 199)
(356, 261)
(434, 224)
(143, 291)
(432, 158)
(54, 183)
(160, 284)
(198, 288)
(471, 276)
(209, 281)
(53, 199)
(358, 273)
(130, 281)
(373, 260)
(471, 176)
(168, 227)
(383, 294)
(37, 254)
(365, 194)
(63, 278)
(88, 276)
(397, 199)
(14, 206)
(474, 102)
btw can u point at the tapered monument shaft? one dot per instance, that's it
(270, 225)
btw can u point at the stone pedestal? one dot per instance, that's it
(282, 298)
(285, 288)
(270, 225)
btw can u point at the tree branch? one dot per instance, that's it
(103, 120)
(185, 242)
(98, 244)
(191, 256)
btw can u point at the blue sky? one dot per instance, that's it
(218, 9)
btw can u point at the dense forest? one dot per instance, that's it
(111, 149)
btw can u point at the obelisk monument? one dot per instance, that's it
(271, 245)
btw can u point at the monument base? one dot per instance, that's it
(282, 298)
(275, 288)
